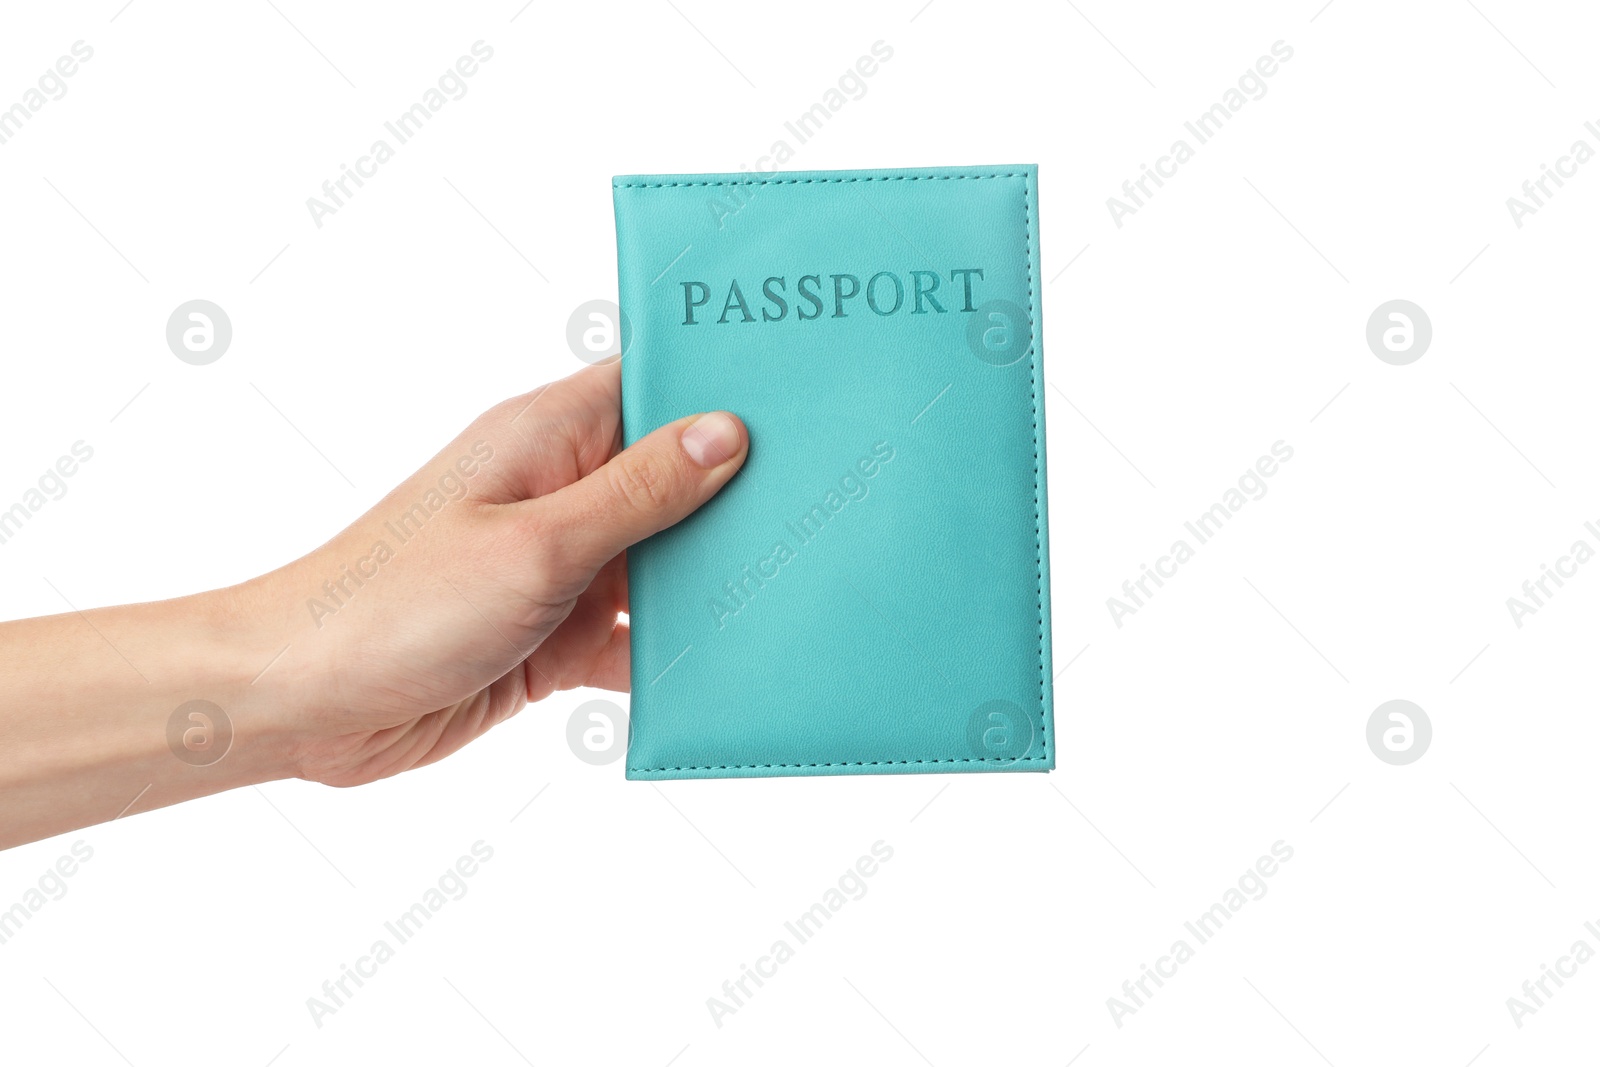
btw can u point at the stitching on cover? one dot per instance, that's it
(1034, 370)
(817, 181)
(861, 763)
(1033, 357)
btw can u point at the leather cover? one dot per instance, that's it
(870, 594)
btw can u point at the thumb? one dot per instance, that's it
(641, 490)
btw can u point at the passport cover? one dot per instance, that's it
(870, 593)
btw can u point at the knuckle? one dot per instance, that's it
(644, 480)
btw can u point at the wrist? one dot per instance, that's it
(231, 653)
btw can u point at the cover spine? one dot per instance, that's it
(632, 388)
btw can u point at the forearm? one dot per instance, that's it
(86, 700)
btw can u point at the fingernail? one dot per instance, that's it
(711, 440)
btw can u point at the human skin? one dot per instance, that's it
(507, 593)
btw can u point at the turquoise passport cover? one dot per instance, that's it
(870, 593)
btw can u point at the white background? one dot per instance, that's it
(1228, 714)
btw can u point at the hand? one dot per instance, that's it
(492, 577)
(507, 592)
